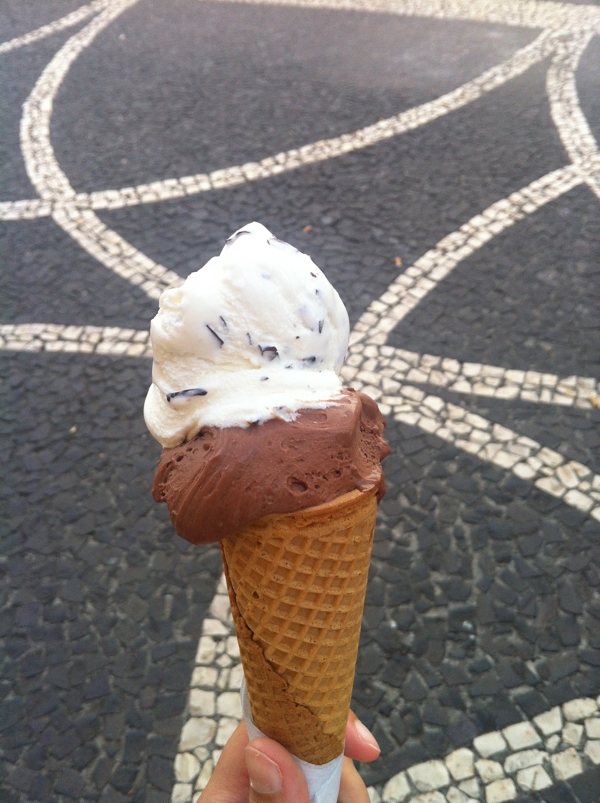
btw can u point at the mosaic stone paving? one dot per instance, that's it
(469, 265)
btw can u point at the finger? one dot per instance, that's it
(360, 742)
(274, 775)
(229, 782)
(352, 787)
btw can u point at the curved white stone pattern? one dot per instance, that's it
(570, 122)
(428, 271)
(53, 185)
(522, 13)
(382, 372)
(468, 378)
(570, 481)
(528, 756)
(525, 757)
(114, 252)
(36, 337)
(42, 168)
(75, 17)
(319, 151)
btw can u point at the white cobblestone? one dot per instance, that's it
(429, 797)
(204, 676)
(229, 703)
(533, 779)
(579, 500)
(521, 735)
(201, 754)
(397, 789)
(489, 770)
(226, 727)
(204, 777)
(202, 703)
(182, 793)
(572, 733)
(460, 764)
(500, 791)
(550, 721)
(525, 758)
(187, 767)
(236, 675)
(490, 744)
(197, 731)
(577, 710)
(454, 795)
(471, 788)
(215, 627)
(206, 651)
(566, 764)
(551, 485)
(592, 727)
(592, 750)
(429, 776)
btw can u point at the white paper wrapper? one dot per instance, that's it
(323, 780)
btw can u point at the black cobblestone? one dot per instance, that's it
(585, 80)
(91, 671)
(507, 633)
(560, 336)
(484, 594)
(315, 86)
(19, 71)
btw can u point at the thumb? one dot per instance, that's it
(274, 775)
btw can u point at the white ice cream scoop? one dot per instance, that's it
(257, 333)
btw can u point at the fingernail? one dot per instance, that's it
(365, 735)
(265, 775)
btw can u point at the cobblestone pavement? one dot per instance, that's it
(439, 159)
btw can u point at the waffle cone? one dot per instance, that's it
(297, 584)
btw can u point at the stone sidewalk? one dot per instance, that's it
(444, 172)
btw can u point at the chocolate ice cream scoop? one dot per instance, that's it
(227, 478)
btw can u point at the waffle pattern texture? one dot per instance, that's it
(297, 584)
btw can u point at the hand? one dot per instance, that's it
(263, 771)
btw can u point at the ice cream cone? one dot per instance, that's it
(297, 584)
